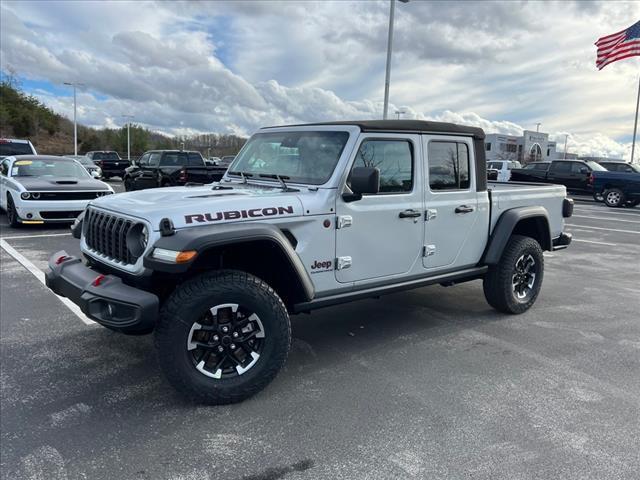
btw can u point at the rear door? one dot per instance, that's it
(197, 171)
(456, 227)
(560, 173)
(380, 235)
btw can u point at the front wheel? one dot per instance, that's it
(128, 184)
(598, 197)
(222, 337)
(614, 197)
(12, 214)
(513, 285)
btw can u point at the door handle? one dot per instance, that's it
(409, 214)
(464, 209)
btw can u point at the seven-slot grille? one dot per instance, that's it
(107, 234)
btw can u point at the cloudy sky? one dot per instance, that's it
(232, 67)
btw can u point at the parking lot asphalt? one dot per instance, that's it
(430, 383)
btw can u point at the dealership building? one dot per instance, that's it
(530, 147)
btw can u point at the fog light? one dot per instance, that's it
(29, 215)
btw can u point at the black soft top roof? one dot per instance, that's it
(404, 126)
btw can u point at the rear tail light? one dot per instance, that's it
(590, 179)
(183, 175)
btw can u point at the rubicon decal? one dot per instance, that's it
(236, 214)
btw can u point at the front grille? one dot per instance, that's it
(106, 234)
(53, 215)
(68, 195)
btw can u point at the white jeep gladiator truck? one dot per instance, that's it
(307, 216)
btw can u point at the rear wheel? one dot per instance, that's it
(222, 337)
(513, 285)
(614, 197)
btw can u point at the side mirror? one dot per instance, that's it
(95, 174)
(363, 180)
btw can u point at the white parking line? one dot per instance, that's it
(605, 218)
(601, 228)
(598, 243)
(37, 236)
(39, 274)
(607, 210)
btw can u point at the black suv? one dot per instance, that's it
(110, 163)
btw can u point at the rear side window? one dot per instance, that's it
(195, 160)
(448, 166)
(577, 167)
(174, 159)
(562, 167)
(394, 159)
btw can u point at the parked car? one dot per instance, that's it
(14, 146)
(621, 167)
(226, 160)
(573, 174)
(617, 189)
(94, 170)
(167, 168)
(110, 163)
(308, 216)
(35, 189)
(502, 168)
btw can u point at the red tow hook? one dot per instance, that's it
(98, 280)
(61, 259)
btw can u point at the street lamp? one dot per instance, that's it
(128, 136)
(566, 137)
(75, 124)
(400, 112)
(387, 79)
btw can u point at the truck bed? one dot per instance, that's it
(506, 195)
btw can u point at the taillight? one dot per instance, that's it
(590, 179)
(183, 175)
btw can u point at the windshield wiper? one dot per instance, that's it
(242, 174)
(281, 179)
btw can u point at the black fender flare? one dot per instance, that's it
(507, 223)
(204, 238)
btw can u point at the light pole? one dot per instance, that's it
(400, 112)
(128, 136)
(538, 126)
(75, 124)
(566, 137)
(392, 10)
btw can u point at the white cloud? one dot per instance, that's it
(235, 66)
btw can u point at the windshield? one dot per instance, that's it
(299, 157)
(596, 167)
(14, 148)
(106, 156)
(48, 168)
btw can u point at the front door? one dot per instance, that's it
(380, 235)
(456, 228)
(148, 174)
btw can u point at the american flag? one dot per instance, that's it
(619, 45)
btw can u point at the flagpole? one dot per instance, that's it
(635, 123)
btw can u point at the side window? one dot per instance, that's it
(561, 167)
(195, 160)
(394, 159)
(154, 159)
(448, 166)
(144, 161)
(4, 168)
(576, 167)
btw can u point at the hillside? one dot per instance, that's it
(24, 116)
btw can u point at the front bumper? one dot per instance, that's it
(36, 211)
(108, 300)
(561, 242)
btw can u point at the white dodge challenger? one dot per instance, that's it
(35, 189)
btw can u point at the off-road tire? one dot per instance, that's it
(498, 282)
(598, 197)
(128, 184)
(614, 197)
(12, 214)
(193, 299)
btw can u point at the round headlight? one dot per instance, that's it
(35, 195)
(137, 239)
(25, 195)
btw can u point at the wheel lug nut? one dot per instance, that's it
(232, 346)
(235, 334)
(225, 329)
(216, 338)
(221, 349)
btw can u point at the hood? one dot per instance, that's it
(67, 184)
(204, 205)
